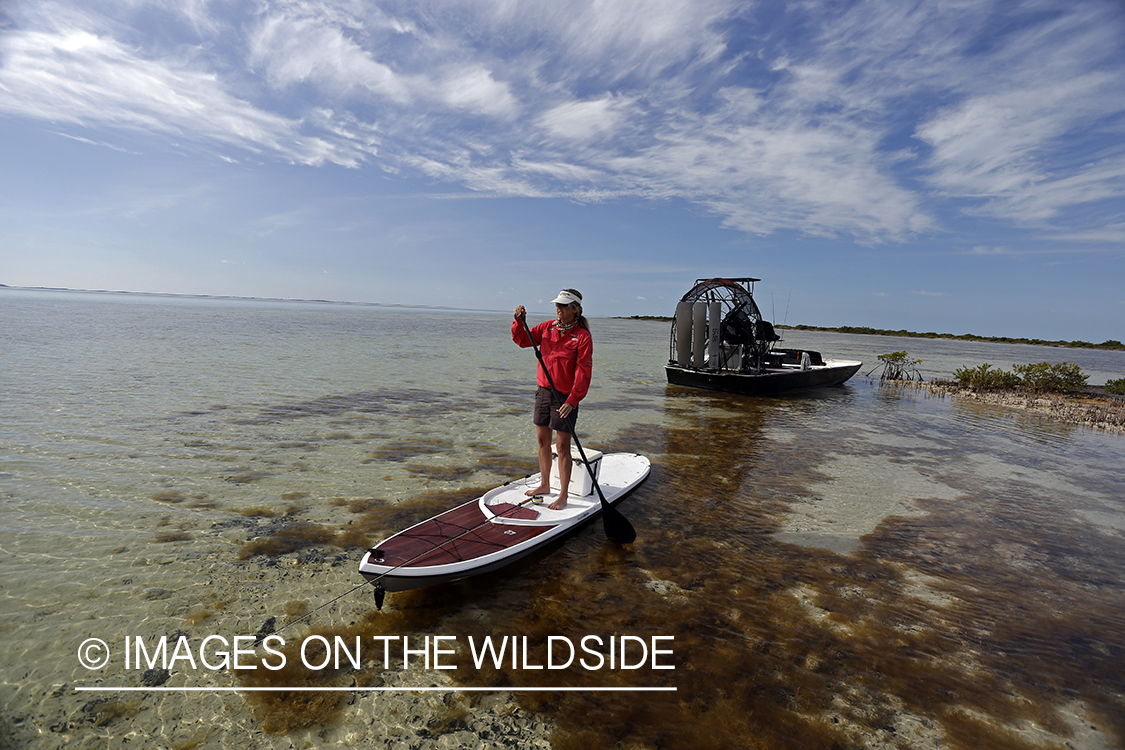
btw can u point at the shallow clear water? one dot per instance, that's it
(863, 566)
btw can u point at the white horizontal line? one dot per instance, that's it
(306, 689)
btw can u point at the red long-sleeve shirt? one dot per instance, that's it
(568, 356)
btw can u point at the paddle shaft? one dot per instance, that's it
(623, 533)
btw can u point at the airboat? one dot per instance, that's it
(720, 342)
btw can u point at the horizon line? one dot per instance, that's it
(244, 298)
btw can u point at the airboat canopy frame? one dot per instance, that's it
(719, 327)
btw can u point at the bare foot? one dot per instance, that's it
(540, 490)
(558, 504)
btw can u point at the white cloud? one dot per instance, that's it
(475, 90)
(1010, 141)
(610, 40)
(560, 171)
(585, 120)
(103, 144)
(1112, 234)
(766, 170)
(339, 50)
(313, 47)
(69, 75)
(877, 120)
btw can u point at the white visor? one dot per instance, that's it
(568, 298)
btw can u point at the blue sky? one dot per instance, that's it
(952, 165)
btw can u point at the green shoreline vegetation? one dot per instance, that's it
(1056, 389)
(864, 330)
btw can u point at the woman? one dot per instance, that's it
(568, 353)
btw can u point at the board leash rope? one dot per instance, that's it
(268, 629)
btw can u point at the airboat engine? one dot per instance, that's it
(717, 327)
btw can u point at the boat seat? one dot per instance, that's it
(763, 331)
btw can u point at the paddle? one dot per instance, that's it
(617, 527)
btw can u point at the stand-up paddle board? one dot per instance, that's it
(497, 528)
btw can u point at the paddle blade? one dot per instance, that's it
(617, 527)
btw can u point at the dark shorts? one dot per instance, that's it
(547, 412)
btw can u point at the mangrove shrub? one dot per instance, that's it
(1051, 376)
(1041, 376)
(899, 366)
(985, 378)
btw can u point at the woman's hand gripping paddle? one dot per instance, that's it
(617, 527)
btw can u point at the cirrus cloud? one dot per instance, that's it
(875, 120)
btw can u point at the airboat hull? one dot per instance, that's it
(766, 382)
(495, 530)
